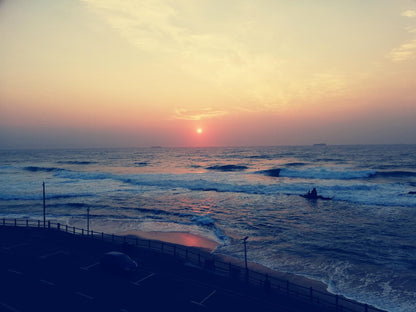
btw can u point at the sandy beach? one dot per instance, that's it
(179, 238)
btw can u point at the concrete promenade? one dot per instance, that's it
(50, 270)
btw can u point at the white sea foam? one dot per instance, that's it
(337, 173)
(362, 192)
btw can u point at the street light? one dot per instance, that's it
(88, 220)
(44, 206)
(245, 251)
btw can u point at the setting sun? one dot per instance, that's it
(199, 130)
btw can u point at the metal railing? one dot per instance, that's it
(212, 263)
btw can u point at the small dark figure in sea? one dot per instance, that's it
(314, 195)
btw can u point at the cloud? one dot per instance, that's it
(409, 13)
(158, 26)
(230, 52)
(411, 29)
(407, 51)
(199, 114)
(217, 51)
(145, 24)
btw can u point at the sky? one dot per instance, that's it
(131, 73)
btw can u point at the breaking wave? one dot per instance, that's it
(395, 174)
(227, 168)
(42, 169)
(349, 188)
(76, 162)
(141, 164)
(324, 173)
(270, 172)
(295, 164)
(319, 173)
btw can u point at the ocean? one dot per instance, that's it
(361, 243)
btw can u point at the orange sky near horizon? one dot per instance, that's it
(119, 73)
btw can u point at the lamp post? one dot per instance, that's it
(88, 220)
(44, 206)
(245, 251)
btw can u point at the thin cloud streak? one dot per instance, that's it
(409, 13)
(185, 114)
(406, 52)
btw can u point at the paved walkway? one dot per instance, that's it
(46, 270)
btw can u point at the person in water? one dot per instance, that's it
(314, 195)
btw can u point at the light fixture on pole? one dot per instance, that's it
(245, 251)
(88, 220)
(44, 205)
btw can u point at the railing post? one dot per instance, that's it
(38, 223)
(82, 232)
(27, 223)
(73, 229)
(15, 222)
(267, 285)
(66, 228)
(49, 224)
(92, 233)
(4, 221)
(59, 226)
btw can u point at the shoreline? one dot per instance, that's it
(209, 246)
(177, 238)
(205, 245)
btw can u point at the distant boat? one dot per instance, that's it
(156, 146)
(320, 144)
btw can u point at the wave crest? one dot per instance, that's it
(42, 169)
(227, 168)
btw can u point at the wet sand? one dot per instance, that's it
(178, 238)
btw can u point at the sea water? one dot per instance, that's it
(361, 243)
